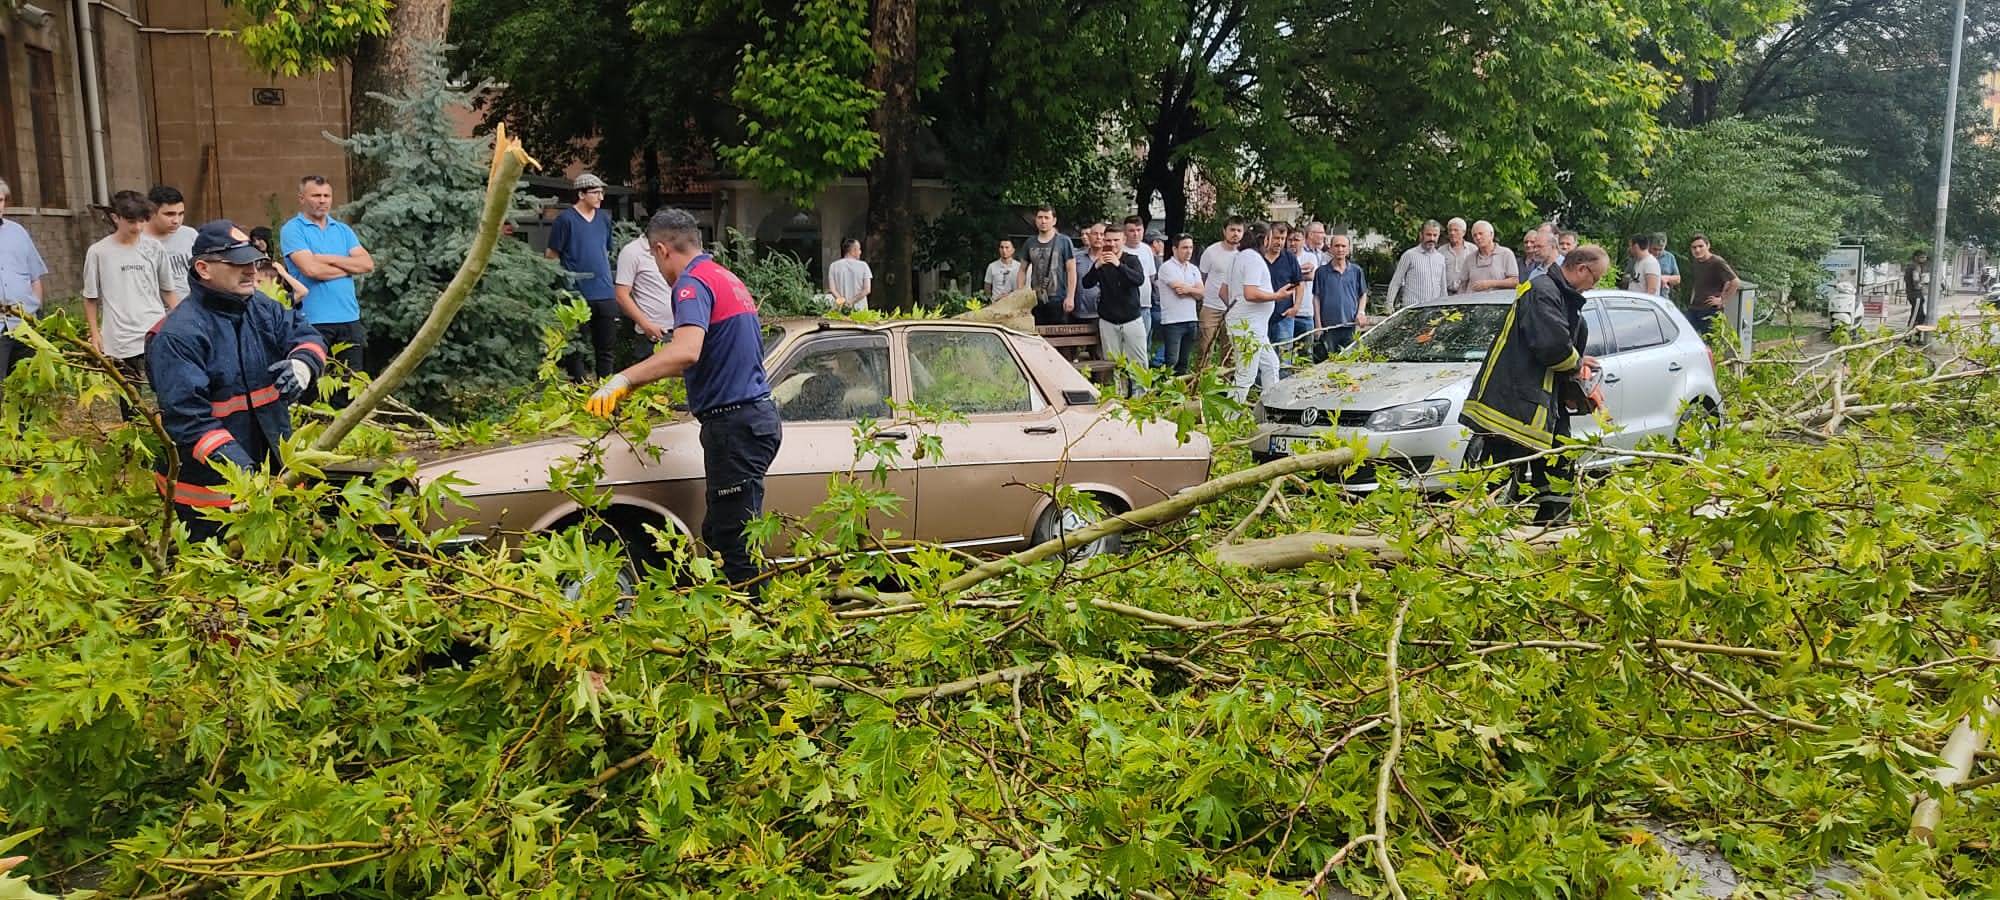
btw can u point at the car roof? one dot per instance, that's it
(1506, 295)
(811, 323)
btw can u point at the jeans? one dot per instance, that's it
(1282, 328)
(1153, 340)
(1331, 341)
(1178, 346)
(602, 330)
(1050, 314)
(737, 446)
(1124, 340)
(1262, 365)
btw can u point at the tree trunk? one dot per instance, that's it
(383, 65)
(892, 31)
(1701, 106)
(1173, 195)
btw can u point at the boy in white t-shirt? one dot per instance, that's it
(1250, 298)
(128, 283)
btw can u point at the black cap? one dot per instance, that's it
(222, 240)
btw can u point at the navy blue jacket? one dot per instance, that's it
(209, 362)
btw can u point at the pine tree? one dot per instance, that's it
(418, 221)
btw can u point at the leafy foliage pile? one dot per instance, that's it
(1769, 643)
(418, 222)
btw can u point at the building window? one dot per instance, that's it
(48, 128)
(10, 163)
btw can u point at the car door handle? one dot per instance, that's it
(1039, 429)
(891, 435)
(1673, 367)
(1610, 378)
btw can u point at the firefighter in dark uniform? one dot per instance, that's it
(718, 347)
(226, 365)
(1535, 376)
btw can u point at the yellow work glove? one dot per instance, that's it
(605, 401)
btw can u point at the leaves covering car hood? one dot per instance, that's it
(1370, 386)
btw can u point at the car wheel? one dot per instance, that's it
(632, 554)
(1695, 432)
(1057, 521)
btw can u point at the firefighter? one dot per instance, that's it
(1535, 376)
(226, 365)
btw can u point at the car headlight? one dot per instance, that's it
(1410, 416)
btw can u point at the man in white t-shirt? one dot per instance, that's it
(1135, 244)
(1004, 275)
(642, 292)
(1642, 272)
(127, 287)
(1177, 294)
(1251, 298)
(1215, 264)
(849, 279)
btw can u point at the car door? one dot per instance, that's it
(823, 386)
(1601, 346)
(1005, 440)
(1648, 372)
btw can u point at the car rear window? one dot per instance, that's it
(1444, 333)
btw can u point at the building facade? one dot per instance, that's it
(110, 95)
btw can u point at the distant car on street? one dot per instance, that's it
(1022, 417)
(1404, 399)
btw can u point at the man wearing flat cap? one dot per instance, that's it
(580, 240)
(226, 365)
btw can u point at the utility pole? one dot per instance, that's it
(1936, 290)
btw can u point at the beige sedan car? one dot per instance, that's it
(1023, 417)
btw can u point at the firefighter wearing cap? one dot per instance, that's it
(226, 365)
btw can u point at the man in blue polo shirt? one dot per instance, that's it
(325, 255)
(580, 240)
(718, 347)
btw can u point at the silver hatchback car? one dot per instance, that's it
(1405, 399)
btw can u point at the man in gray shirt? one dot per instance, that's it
(1006, 274)
(1051, 269)
(849, 279)
(167, 226)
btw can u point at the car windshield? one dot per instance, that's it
(1445, 333)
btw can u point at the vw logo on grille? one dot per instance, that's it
(1309, 416)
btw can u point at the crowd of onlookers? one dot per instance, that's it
(139, 272)
(1289, 292)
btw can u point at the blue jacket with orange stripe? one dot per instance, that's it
(209, 362)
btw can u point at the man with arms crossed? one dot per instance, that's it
(718, 347)
(324, 254)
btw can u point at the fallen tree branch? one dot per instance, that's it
(1292, 551)
(509, 161)
(1387, 773)
(1965, 742)
(41, 516)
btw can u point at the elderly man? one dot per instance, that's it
(1424, 271)
(1535, 376)
(1541, 253)
(227, 364)
(1340, 290)
(1456, 251)
(1491, 267)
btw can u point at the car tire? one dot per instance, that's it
(632, 546)
(1057, 521)
(1694, 433)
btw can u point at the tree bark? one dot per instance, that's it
(384, 65)
(1706, 95)
(891, 213)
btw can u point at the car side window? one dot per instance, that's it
(968, 372)
(1598, 342)
(835, 378)
(1637, 326)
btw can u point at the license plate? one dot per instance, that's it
(1292, 445)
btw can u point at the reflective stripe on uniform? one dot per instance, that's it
(186, 494)
(316, 349)
(264, 396)
(211, 442)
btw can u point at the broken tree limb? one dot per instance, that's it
(1158, 513)
(509, 161)
(1293, 551)
(1966, 740)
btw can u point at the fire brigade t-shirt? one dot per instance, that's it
(731, 367)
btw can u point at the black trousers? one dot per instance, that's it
(134, 370)
(1331, 341)
(737, 446)
(11, 354)
(1539, 473)
(602, 330)
(355, 336)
